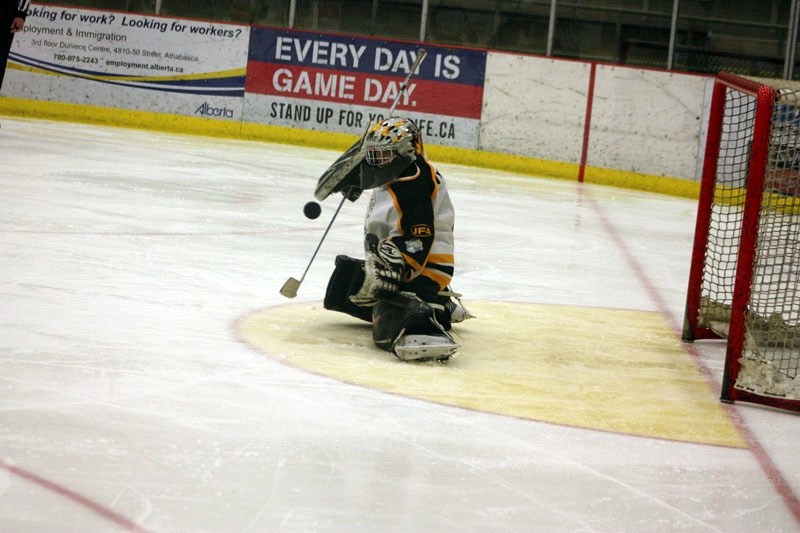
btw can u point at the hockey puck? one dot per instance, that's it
(312, 210)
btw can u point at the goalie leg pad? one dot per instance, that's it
(346, 280)
(406, 326)
(394, 314)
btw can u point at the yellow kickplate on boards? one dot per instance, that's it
(605, 369)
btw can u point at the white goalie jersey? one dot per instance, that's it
(415, 212)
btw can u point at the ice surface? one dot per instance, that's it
(130, 399)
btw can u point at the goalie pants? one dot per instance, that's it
(395, 313)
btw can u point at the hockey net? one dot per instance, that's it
(743, 282)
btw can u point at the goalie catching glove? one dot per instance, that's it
(383, 270)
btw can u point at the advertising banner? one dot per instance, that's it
(130, 61)
(341, 84)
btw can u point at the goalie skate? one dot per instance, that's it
(458, 313)
(425, 348)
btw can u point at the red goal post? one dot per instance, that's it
(744, 279)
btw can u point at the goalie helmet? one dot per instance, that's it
(391, 147)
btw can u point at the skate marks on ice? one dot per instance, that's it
(612, 370)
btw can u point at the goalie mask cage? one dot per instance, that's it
(743, 280)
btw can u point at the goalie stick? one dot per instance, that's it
(343, 166)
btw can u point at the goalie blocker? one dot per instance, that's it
(404, 324)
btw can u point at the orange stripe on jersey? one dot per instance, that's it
(413, 264)
(443, 280)
(442, 259)
(434, 179)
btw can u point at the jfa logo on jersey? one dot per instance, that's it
(421, 231)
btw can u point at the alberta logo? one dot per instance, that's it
(207, 110)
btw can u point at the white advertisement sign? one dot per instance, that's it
(341, 84)
(130, 61)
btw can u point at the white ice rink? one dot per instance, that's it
(133, 397)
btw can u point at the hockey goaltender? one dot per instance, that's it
(402, 287)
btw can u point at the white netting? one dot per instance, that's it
(725, 228)
(773, 313)
(760, 376)
(770, 360)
